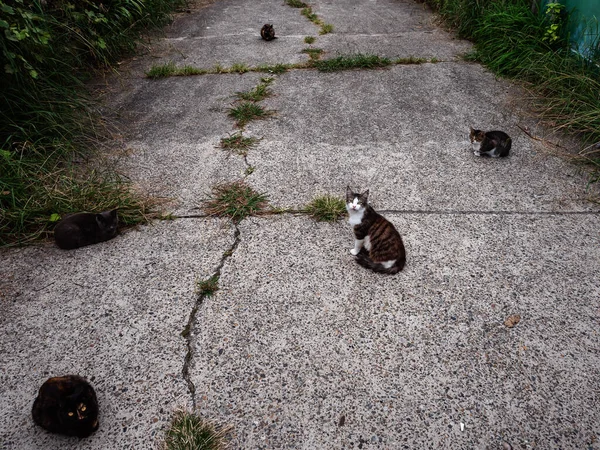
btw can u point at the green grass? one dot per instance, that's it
(308, 13)
(246, 112)
(326, 208)
(236, 200)
(255, 94)
(276, 69)
(349, 62)
(296, 4)
(162, 71)
(513, 43)
(411, 60)
(237, 143)
(310, 40)
(314, 53)
(207, 288)
(239, 68)
(326, 28)
(188, 431)
(49, 125)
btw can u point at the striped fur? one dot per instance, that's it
(378, 245)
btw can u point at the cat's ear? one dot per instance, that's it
(113, 214)
(472, 130)
(364, 197)
(349, 195)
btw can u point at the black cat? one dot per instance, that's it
(493, 143)
(82, 229)
(66, 405)
(267, 32)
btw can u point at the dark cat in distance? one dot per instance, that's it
(66, 405)
(81, 229)
(267, 32)
(496, 144)
(378, 245)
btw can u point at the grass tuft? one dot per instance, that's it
(326, 28)
(162, 71)
(236, 200)
(326, 208)
(348, 62)
(256, 94)
(310, 40)
(296, 4)
(207, 288)
(248, 111)
(239, 68)
(237, 143)
(411, 60)
(188, 431)
(307, 12)
(274, 68)
(314, 53)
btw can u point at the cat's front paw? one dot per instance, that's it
(476, 153)
(354, 252)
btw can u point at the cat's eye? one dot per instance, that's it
(83, 408)
(71, 413)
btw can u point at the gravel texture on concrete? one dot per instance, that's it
(113, 313)
(301, 347)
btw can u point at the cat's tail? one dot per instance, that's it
(364, 260)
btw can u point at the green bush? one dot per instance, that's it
(48, 49)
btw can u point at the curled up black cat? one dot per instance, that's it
(377, 245)
(493, 143)
(267, 32)
(78, 230)
(66, 405)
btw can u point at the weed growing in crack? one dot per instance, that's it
(314, 53)
(236, 200)
(162, 71)
(249, 170)
(410, 60)
(307, 12)
(326, 208)
(239, 68)
(256, 94)
(348, 62)
(296, 4)
(310, 40)
(326, 28)
(237, 143)
(189, 431)
(274, 68)
(207, 288)
(247, 111)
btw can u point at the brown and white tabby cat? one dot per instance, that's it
(267, 32)
(78, 230)
(493, 143)
(378, 245)
(66, 405)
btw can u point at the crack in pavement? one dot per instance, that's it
(187, 332)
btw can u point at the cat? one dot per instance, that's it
(267, 32)
(378, 245)
(66, 405)
(78, 230)
(493, 143)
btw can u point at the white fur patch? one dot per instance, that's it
(475, 146)
(388, 264)
(356, 216)
(358, 243)
(367, 243)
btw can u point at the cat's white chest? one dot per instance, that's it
(355, 216)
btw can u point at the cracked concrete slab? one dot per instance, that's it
(302, 348)
(300, 336)
(113, 313)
